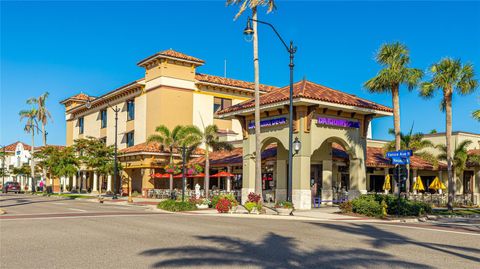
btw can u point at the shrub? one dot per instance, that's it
(253, 197)
(284, 204)
(229, 197)
(194, 201)
(346, 207)
(223, 205)
(388, 204)
(135, 194)
(367, 207)
(250, 205)
(176, 206)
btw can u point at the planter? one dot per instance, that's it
(202, 206)
(284, 211)
(254, 211)
(233, 209)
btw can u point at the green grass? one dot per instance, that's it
(457, 212)
(73, 196)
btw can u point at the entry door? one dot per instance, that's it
(316, 179)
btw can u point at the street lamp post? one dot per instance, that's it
(3, 167)
(184, 179)
(291, 50)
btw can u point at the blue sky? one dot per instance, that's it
(68, 47)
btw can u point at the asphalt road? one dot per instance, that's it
(42, 232)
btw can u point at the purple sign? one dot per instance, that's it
(338, 122)
(268, 123)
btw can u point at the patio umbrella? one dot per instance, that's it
(386, 183)
(418, 184)
(197, 175)
(437, 185)
(223, 174)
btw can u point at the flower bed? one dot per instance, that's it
(176, 206)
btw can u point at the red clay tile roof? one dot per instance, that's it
(231, 82)
(13, 146)
(234, 157)
(474, 152)
(172, 54)
(309, 90)
(80, 96)
(154, 147)
(375, 157)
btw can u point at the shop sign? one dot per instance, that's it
(338, 122)
(268, 123)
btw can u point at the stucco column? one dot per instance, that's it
(95, 183)
(74, 182)
(109, 183)
(327, 181)
(358, 181)
(30, 183)
(248, 174)
(65, 182)
(301, 193)
(414, 175)
(281, 180)
(229, 179)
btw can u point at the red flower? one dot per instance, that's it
(223, 205)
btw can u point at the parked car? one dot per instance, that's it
(11, 187)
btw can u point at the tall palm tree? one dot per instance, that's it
(42, 112)
(253, 5)
(30, 127)
(449, 75)
(172, 139)
(209, 138)
(395, 59)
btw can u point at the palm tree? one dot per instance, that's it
(395, 59)
(253, 5)
(30, 127)
(459, 159)
(173, 139)
(449, 75)
(209, 138)
(42, 112)
(476, 114)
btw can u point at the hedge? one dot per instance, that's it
(371, 205)
(175, 206)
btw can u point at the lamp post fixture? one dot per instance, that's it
(291, 49)
(88, 105)
(184, 179)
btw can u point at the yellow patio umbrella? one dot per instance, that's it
(418, 184)
(437, 185)
(386, 184)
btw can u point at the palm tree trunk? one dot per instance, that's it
(448, 136)
(32, 162)
(258, 142)
(207, 173)
(396, 115)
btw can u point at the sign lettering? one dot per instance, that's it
(338, 122)
(268, 123)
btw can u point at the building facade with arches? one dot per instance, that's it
(324, 119)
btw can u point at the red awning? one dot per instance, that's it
(223, 174)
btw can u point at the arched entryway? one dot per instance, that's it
(274, 170)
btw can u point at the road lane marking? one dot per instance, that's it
(57, 203)
(2, 219)
(76, 209)
(428, 229)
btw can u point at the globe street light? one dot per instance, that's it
(248, 32)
